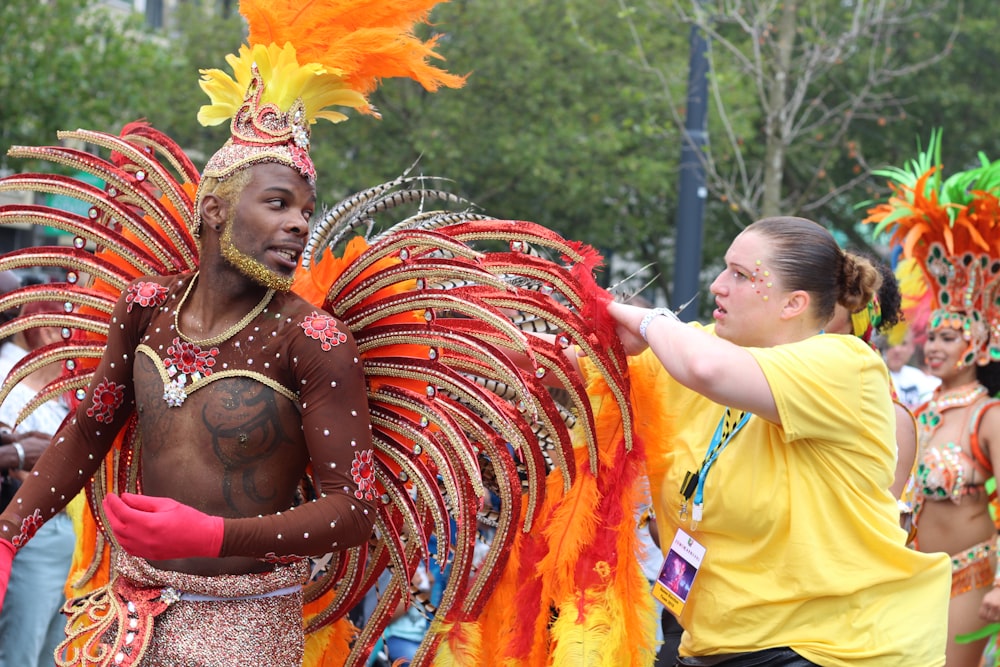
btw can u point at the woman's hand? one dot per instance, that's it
(989, 610)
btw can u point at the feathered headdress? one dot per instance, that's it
(301, 59)
(949, 229)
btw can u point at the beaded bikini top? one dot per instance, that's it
(945, 470)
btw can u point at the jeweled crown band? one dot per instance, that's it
(263, 133)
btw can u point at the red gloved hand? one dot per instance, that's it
(7, 551)
(162, 528)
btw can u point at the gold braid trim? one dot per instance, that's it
(218, 375)
(120, 608)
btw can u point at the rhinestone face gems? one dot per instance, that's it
(761, 279)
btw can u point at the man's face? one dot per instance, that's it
(898, 356)
(268, 225)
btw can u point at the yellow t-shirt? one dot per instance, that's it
(804, 547)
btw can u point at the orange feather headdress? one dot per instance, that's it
(950, 229)
(302, 58)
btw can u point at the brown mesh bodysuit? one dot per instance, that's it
(226, 425)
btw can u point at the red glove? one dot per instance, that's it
(162, 528)
(7, 551)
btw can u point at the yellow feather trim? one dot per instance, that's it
(597, 637)
(286, 80)
(461, 645)
(916, 303)
(330, 645)
(912, 285)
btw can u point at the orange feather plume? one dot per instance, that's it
(365, 40)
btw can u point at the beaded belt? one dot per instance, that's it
(971, 569)
(170, 595)
(973, 554)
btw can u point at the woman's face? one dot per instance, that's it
(943, 351)
(748, 296)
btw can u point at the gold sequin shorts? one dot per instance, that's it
(972, 568)
(173, 619)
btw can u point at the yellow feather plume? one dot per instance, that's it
(597, 637)
(916, 301)
(286, 80)
(329, 646)
(461, 645)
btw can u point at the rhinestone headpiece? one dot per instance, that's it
(951, 230)
(263, 133)
(968, 299)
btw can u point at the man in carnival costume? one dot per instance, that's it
(223, 433)
(232, 384)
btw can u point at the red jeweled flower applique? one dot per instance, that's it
(29, 527)
(363, 471)
(324, 329)
(145, 294)
(185, 360)
(108, 397)
(189, 359)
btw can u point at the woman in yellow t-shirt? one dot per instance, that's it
(784, 447)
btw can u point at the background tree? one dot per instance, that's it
(800, 92)
(66, 64)
(952, 95)
(546, 128)
(814, 68)
(572, 109)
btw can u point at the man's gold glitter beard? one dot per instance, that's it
(247, 265)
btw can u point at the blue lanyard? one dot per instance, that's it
(714, 449)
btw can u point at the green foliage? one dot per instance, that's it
(546, 128)
(570, 116)
(200, 38)
(66, 64)
(952, 95)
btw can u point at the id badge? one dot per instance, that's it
(673, 585)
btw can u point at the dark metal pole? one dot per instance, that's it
(691, 199)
